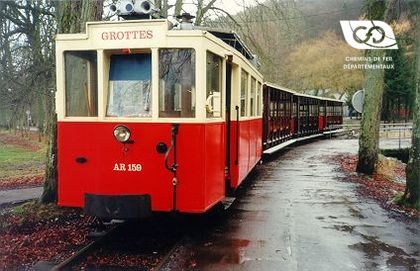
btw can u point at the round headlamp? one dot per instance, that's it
(122, 133)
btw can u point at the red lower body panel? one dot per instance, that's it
(246, 149)
(114, 168)
(321, 123)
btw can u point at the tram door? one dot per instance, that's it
(228, 112)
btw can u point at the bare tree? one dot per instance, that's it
(27, 60)
(72, 17)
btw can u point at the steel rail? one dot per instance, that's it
(166, 259)
(84, 250)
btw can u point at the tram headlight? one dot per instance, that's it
(122, 133)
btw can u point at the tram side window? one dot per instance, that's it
(214, 86)
(259, 99)
(129, 93)
(253, 95)
(176, 83)
(81, 83)
(244, 92)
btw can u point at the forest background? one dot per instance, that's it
(299, 44)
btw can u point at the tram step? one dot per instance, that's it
(228, 201)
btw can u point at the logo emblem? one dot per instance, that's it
(369, 35)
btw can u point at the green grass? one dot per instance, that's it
(12, 154)
(17, 161)
(37, 209)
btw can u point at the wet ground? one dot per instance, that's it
(298, 214)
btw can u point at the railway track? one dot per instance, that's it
(80, 254)
(150, 244)
(146, 244)
(84, 251)
(167, 257)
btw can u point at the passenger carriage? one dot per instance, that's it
(290, 116)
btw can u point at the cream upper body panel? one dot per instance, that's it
(105, 37)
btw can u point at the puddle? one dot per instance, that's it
(356, 212)
(376, 249)
(231, 251)
(345, 228)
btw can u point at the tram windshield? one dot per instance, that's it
(81, 84)
(176, 83)
(129, 93)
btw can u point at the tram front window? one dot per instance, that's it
(176, 83)
(81, 84)
(129, 93)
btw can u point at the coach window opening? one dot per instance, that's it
(81, 83)
(129, 85)
(321, 109)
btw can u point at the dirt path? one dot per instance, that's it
(18, 195)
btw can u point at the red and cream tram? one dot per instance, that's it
(156, 119)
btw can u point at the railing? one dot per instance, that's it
(398, 131)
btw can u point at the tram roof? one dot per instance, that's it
(294, 92)
(232, 39)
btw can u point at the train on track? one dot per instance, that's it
(157, 118)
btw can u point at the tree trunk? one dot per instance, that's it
(412, 191)
(50, 185)
(369, 126)
(374, 87)
(71, 17)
